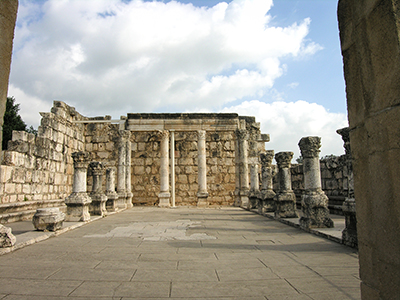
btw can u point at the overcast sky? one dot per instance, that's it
(276, 60)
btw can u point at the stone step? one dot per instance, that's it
(22, 211)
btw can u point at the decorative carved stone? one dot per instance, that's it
(314, 202)
(7, 239)
(266, 203)
(285, 199)
(48, 219)
(98, 205)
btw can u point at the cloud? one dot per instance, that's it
(114, 57)
(287, 123)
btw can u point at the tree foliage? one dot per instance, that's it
(12, 121)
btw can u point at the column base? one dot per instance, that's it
(98, 205)
(48, 219)
(244, 199)
(121, 202)
(111, 203)
(314, 206)
(164, 199)
(266, 203)
(78, 207)
(237, 199)
(285, 205)
(349, 234)
(254, 197)
(202, 199)
(129, 196)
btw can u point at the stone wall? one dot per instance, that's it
(40, 167)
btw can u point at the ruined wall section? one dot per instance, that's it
(37, 168)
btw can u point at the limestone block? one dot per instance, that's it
(5, 173)
(48, 219)
(9, 188)
(7, 239)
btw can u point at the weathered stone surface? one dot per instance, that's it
(7, 239)
(285, 199)
(369, 34)
(48, 219)
(266, 202)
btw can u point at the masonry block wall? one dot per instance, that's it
(40, 167)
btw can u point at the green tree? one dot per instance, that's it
(12, 121)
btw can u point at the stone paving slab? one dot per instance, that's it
(183, 253)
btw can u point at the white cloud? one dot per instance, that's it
(114, 57)
(287, 123)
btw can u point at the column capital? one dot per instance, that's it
(242, 134)
(163, 134)
(266, 158)
(309, 146)
(124, 134)
(283, 159)
(201, 134)
(81, 159)
(97, 168)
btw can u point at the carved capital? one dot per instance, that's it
(81, 159)
(309, 146)
(242, 134)
(201, 134)
(163, 134)
(124, 134)
(283, 159)
(266, 158)
(96, 167)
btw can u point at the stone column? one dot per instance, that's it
(78, 202)
(202, 193)
(164, 194)
(254, 194)
(285, 199)
(237, 172)
(243, 168)
(98, 205)
(267, 203)
(111, 194)
(128, 167)
(314, 202)
(121, 183)
(349, 234)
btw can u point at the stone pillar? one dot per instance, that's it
(164, 194)
(349, 234)
(172, 132)
(266, 203)
(98, 205)
(128, 167)
(314, 202)
(237, 172)
(369, 36)
(121, 183)
(285, 199)
(243, 168)
(78, 202)
(202, 193)
(111, 194)
(254, 194)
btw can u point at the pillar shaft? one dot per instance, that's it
(202, 193)
(243, 137)
(314, 202)
(98, 205)
(267, 203)
(285, 199)
(164, 194)
(128, 180)
(112, 196)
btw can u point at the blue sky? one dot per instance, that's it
(279, 61)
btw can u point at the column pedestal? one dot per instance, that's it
(98, 205)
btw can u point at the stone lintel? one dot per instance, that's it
(141, 125)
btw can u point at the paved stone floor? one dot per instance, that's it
(182, 253)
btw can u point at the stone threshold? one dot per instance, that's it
(333, 234)
(26, 234)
